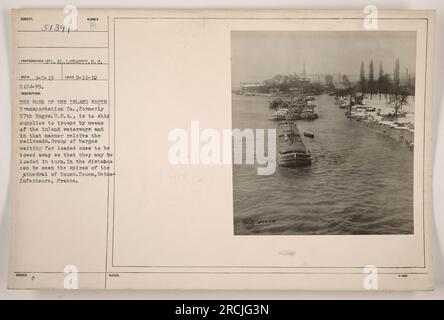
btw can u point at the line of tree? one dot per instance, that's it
(384, 84)
(394, 91)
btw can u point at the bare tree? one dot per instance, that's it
(362, 81)
(371, 80)
(386, 85)
(396, 76)
(380, 80)
(399, 98)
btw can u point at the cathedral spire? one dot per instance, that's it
(304, 74)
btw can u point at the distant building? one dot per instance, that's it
(250, 87)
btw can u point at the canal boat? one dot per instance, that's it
(279, 115)
(344, 104)
(308, 114)
(292, 151)
(293, 115)
(309, 134)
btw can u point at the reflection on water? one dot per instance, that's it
(360, 182)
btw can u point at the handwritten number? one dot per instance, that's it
(56, 28)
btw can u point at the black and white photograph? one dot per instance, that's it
(342, 104)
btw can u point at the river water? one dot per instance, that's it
(360, 182)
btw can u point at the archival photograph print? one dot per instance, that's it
(342, 106)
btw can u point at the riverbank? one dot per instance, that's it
(373, 113)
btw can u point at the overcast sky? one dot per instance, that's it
(258, 55)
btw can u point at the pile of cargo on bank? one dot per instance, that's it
(381, 114)
(301, 107)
